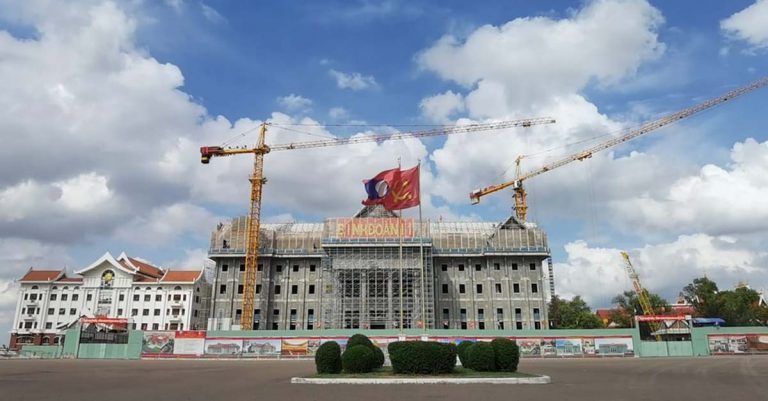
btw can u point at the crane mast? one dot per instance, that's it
(521, 207)
(257, 181)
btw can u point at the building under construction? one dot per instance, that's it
(375, 271)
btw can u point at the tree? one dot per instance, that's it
(740, 307)
(628, 306)
(702, 294)
(574, 314)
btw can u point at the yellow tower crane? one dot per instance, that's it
(258, 180)
(521, 205)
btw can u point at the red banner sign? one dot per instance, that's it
(658, 318)
(103, 320)
(190, 334)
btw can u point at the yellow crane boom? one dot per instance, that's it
(257, 182)
(642, 293)
(521, 206)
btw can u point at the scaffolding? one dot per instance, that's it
(363, 288)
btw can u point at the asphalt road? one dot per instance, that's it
(720, 378)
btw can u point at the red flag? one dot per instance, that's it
(403, 190)
(379, 186)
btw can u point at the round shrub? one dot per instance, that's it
(360, 339)
(481, 357)
(328, 358)
(462, 349)
(507, 354)
(357, 359)
(422, 357)
(378, 357)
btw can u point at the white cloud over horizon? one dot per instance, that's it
(749, 24)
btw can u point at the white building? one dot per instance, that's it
(152, 298)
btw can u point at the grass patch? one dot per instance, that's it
(386, 372)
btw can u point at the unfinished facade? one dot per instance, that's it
(346, 273)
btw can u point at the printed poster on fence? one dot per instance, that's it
(189, 342)
(223, 347)
(259, 347)
(738, 344)
(157, 342)
(568, 346)
(614, 346)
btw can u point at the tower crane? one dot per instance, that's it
(258, 180)
(642, 293)
(521, 205)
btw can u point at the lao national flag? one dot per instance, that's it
(377, 187)
(403, 190)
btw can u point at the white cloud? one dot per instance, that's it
(715, 200)
(598, 274)
(294, 102)
(165, 224)
(176, 5)
(440, 107)
(528, 60)
(749, 24)
(354, 81)
(193, 259)
(338, 113)
(211, 14)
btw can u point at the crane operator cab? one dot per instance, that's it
(206, 152)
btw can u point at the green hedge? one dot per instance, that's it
(462, 349)
(378, 357)
(328, 358)
(422, 357)
(481, 357)
(507, 354)
(357, 359)
(360, 339)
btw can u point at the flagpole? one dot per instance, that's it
(421, 260)
(400, 234)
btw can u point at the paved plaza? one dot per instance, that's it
(720, 378)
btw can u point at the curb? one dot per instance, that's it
(426, 380)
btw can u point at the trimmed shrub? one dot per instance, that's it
(360, 339)
(507, 354)
(481, 357)
(422, 357)
(462, 349)
(328, 358)
(357, 359)
(378, 357)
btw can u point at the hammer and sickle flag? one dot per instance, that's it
(394, 189)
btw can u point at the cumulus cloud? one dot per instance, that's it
(338, 113)
(715, 200)
(354, 80)
(294, 102)
(749, 24)
(598, 274)
(439, 108)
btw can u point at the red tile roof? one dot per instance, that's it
(66, 279)
(146, 268)
(143, 279)
(42, 275)
(188, 276)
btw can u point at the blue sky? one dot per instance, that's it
(116, 97)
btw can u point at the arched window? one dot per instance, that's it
(55, 340)
(76, 288)
(34, 287)
(46, 340)
(137, 288)
(148, 288)
(55, 288)
(159, 288)
(177, 288)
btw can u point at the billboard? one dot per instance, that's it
(614, 346)
(568, 346)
